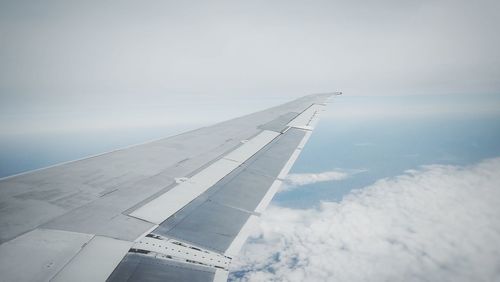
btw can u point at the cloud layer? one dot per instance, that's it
(440, 223)
(294, 180)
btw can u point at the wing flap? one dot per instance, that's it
(218, 221)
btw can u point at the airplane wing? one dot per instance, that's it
(176, 209)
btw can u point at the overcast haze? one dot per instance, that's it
(136, 63)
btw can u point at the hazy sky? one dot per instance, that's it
(99, 63)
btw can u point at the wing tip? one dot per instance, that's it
(323, 96)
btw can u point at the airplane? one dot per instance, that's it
(175, 209)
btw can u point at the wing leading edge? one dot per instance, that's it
(179, 214)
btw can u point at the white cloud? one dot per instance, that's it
(299, 179)
(440, 223)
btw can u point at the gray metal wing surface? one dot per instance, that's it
(176, 209)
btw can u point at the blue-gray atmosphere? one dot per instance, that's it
(370, 149)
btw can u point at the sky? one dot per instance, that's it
(69, 65)
(400, 180)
